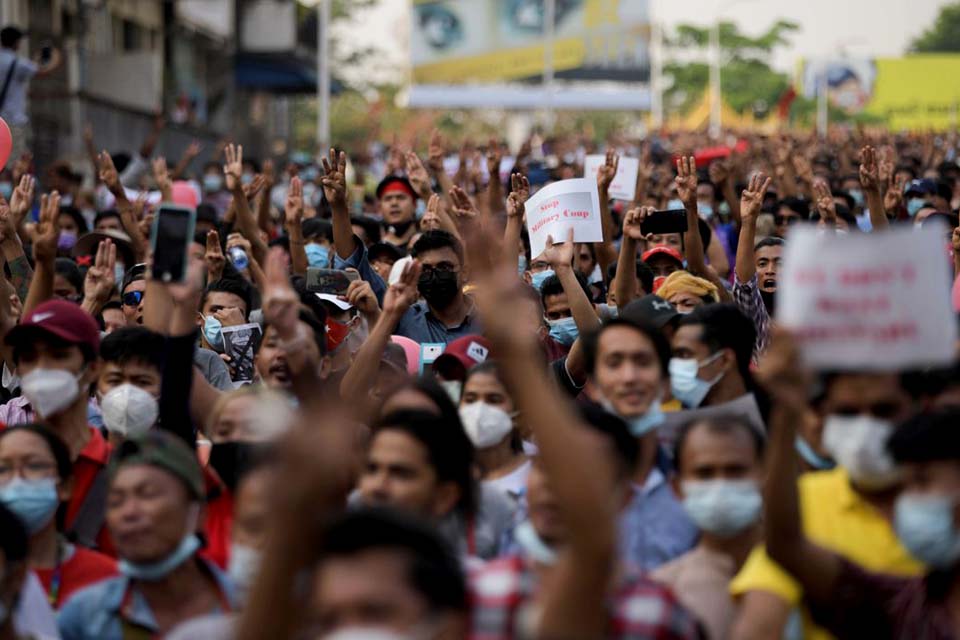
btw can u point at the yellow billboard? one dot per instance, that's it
(915, 92)
(489, 41)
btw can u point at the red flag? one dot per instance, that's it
(783, 104)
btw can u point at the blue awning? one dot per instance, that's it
(277, 73)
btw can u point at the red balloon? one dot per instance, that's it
(6, 143)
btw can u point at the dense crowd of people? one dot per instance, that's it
(605, 440)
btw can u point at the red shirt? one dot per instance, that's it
(218, 521)
(81, 569)
(94, 457)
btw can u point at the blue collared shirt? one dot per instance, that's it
(358, 260)
(420, 325)
(99, 611)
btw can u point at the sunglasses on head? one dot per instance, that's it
(132, 298)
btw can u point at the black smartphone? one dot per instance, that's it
(46, 52)
(669, 221)
(170, 240)
(330, 281)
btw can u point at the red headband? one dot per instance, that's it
(398, 185)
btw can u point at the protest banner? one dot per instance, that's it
(624, 185)
(240, 343)
(561, 206)
(876, 301)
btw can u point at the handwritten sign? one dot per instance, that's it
(624, 185)
(561, 206)
(878, 301)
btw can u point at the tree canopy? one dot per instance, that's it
(944, 35)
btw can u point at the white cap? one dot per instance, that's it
(343, 305)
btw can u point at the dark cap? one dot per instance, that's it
(651, 309)
(396, 182)
(88, 244)
(164, 450)
(383, 250)
(59, 318)
(921, 187)
(927, 437)
(461, 355)
(134, 273)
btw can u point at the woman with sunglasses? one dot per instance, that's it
(36, 478)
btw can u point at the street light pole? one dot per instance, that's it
(323, 76)
(549, 20)
(715, 123)
(656, 73)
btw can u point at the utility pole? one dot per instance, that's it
(323, 76)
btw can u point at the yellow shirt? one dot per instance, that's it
(836, 518)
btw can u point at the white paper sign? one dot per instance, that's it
(561, 206)
(624, 185)
(877, 301)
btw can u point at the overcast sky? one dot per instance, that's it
(873, 28)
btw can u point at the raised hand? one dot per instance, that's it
(436, 152)
(686, 181)
(99, 281)
(633, 223)
(494, 157)
(293, 207)
(751, 200)
(46, 233)
(254, 187)
(893, 197)
(560, 256)
(360, 295)
(280, 302)
(108, 172)
(417, 174)
(334, 178)
(22, 198)
(824, 200)
(461, 205)
(238, 240)
(213, 257)
(22, 166)
(519, 193)
(608, 170)
(886, 166)
(802, 168)
(193, 149)
(869, 171)
(269, 173)
(719, 172)
(431, 217)
(8, 223)
(233, 166)
(403, 293)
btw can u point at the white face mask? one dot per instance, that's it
(485, 424)
(129, 410)
(50, 391)
(859, 445)
(243, 565)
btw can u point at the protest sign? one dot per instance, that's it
(240, 343)
(876, 301)
(624, 185)
(561, 206)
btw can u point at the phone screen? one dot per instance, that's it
(669, 221)
(170, 239)
(330, 281)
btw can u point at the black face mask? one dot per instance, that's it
(769, 301)
(438, 288)
(231, 459)
(400, 228)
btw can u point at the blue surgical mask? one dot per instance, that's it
(533, 545)
(857, 196)
(317, 255)
(33, 501)
(644, 424)
(151, 572)
(243, 566)
(246, 178)
(676, 203)
(924, 523)
(914, 205)
(212, 182)
(564, 331)
(213, 332)
(6, 189)
(706, 210)
(811, 457)
(310, 174)
(521, 265)
(722, 507)
(540, 277)
(684, 383)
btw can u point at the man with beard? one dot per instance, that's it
(758, 264)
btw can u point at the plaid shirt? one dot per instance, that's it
(747, 296)
(502, 593)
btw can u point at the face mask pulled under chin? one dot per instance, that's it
(50, 391)
(153, 571)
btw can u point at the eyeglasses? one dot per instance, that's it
(33, 470)
(132, 298)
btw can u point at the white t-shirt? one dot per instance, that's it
(513, 484)
(14, 109)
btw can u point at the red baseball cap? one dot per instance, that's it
(461, 355)
(663, 250)
(62, 319)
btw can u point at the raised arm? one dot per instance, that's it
(11, 219)
(751, 200)
(335, 188)
(263, 201)
(292, 220)
(246, 222)
(606, 254)
(723, 177)
(627, 265)
(111, 179)
(494, 185)
(99, 282)
(162, 177)
(826, 207)
(692, 240)
(870, 180)
(192, 151)
(435, 156)
(560, 257)
(44, 252)
(519, 192)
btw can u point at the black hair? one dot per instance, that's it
(489, 367)
(111, 304)
(237, 286)
(612, 427)
(591, 342)
(449, 451)
(724, 424)
(769, 241)
(69, 270)
(10, 37)
(73, 212)
(370, 226)
(34, 334)
(59, 449)
(13, 538)
(316, 227)
(799, 205)
(206, 213)
(437, 239)
(644, 275)
(434, 570)
(316, 319)
(134, 273)
(134, 344)
(553, 287)
(927, 437)
(109, 213)
(725, 327)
